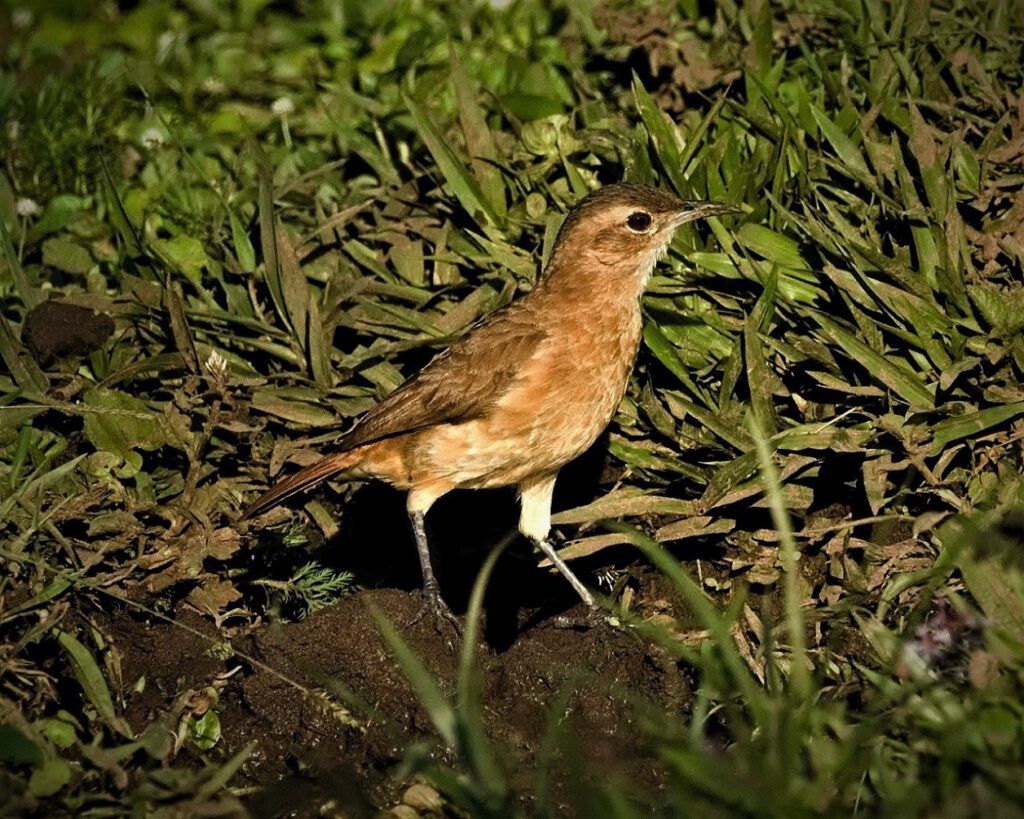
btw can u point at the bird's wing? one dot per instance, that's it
(458, 384)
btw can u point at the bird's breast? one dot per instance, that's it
(561, 400)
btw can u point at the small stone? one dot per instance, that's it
(401, 812)
(423, 798)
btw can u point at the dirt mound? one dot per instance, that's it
(55, 329)
(309, 751)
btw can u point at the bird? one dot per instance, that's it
(525, 390)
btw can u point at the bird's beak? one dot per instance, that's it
(692, 211)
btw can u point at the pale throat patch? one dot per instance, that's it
(647, 265)
(647, 270)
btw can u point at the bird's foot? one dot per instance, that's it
(592, 617)
(435, 607)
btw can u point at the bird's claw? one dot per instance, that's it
(592, 618)
(438, 610)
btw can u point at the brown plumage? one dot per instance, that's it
(530, 387)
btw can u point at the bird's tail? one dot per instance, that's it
(304, 479)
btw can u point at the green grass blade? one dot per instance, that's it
(30, 296)
(844, 147)
(661, 134)
(461, 181)
(707, 614)
(483, 156)
(244, 252)
(896, 377)
(964, 426)
(26, 372)
(793, 598)
(93, 683)
(476, 746)
(439, 709)
(268, 234)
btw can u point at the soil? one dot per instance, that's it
(55, 329)
(306, 753)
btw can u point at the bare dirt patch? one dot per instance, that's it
(307, 752)
(55, 329)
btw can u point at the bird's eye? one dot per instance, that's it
(638, 221)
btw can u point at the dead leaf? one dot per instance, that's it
(188, 555)
(214, 596)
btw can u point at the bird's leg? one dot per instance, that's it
(431, 589)
(419, 531)
(549, 552)
(535, 524)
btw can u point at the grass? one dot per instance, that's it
(286, 207)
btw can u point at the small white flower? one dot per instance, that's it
(282, 107)
(152, 137)
(217, 367)
(13, 130)
(26, 207)
(21, 18)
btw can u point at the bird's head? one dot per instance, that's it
(626, 227)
